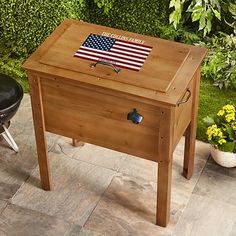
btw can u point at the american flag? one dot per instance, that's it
(120, 53)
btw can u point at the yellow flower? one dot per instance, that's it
(221, 131)
(229, 108)
(221, 141)
(214, 131)
(221, 113)
(233, 126)
(220, 134)
(229, 117)
(209, 132)
(214, 127)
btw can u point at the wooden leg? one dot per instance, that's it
(165, 167)
(190, 133)
(39, 127)
(163, 193)
(77, 143)
(189, 150)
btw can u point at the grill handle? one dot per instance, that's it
(93, 65)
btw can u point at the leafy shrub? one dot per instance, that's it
(220, 64)
(182, 34)
(140, 16)
(106, 5)
(208, 14)
(25, 24)
(202, 11)
(229, 16)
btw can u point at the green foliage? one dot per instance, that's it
(140, 16)
(25, 24)
(105, 4)
(211, 100)
(202, 11)
(182, 34)
(232, 10)
(220, 64)
(176, 14)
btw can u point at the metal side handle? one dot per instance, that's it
(185, 98)
(93, 65)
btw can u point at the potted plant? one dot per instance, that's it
(221, 134)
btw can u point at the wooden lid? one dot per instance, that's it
(167, 69)
(157, 72)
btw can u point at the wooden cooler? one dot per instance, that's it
(120, 90)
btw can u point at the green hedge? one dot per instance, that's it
(23, 27)
(12, 67)
(25, 24)
(140, 16)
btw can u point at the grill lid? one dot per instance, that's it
(10, 92)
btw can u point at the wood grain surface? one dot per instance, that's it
(100, 119)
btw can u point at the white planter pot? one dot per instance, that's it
(226, 159)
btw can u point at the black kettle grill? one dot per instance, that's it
(11, 94)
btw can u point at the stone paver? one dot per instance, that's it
(3, 205)
(216, 184)
(18, 221)
(205, 216)
(77, 188)
(100, 156)
(128, 208)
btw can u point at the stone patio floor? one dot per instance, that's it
(98, 192)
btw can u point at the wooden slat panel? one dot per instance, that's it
(100, 119)
(183, 117)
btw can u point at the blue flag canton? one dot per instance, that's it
(99, 42)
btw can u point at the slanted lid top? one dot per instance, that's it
(144, 62)
(154, 69)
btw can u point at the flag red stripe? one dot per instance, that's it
(112, 60)
(127, 50)
(137, 47)
(99, 60)
(117, 51)
(135, 55)
(108, 54)
(123, 52)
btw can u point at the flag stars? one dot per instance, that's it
(99, 42)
